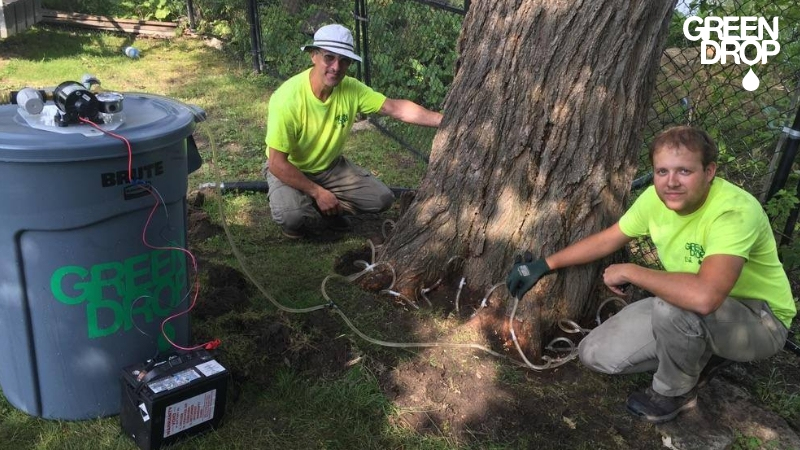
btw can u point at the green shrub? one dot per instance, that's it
(166, 10)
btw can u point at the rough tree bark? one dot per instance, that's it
(538, 147)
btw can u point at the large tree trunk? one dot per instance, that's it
(538, 147)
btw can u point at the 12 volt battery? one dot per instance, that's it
(172, 397)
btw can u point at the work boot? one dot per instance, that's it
(653, 407)
(293, 234)
(338, 223)
(712, 368)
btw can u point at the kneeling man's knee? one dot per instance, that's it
(386, 199)
(669, 320)
(592, 353)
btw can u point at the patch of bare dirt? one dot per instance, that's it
(257, 343)
(445, 391)
(223, 290)
(199, 226)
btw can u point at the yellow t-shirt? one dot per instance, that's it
(730, 222)
(313, 132)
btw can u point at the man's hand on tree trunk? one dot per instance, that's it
(525, 274)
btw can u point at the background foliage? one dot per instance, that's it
(168, 10)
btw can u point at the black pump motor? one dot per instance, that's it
(74, 102)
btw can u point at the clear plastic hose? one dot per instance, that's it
(369, 267)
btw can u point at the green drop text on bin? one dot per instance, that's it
(141, 288)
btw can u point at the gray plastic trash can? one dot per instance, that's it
(81, 293)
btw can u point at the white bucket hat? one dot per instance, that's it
(334, 38)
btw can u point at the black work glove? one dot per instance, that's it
(525, 274)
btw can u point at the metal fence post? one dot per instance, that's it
(255, 35)
(356, 15)
(362, 40)
(190, 14)
(787, 158)
(790, 152)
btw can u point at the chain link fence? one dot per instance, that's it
(409, 50)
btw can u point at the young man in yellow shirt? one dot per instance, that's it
(723, 295)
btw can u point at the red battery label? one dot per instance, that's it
(190, 412)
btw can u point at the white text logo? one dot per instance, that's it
(746, 40)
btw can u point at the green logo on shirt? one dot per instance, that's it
(341, 120)
(695, 251)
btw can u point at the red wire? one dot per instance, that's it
(208, 345)
(122, 138)
(150, 189)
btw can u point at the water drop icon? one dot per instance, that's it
(750, 81)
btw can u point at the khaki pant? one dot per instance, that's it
(652, 334)
(357, 190)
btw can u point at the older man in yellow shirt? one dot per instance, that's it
(310, 117)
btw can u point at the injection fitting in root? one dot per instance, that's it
(569, 326)
(375, 277)
(400, 296)
(549, 362)
(424, 291)
(485, 301)
(453, 261)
